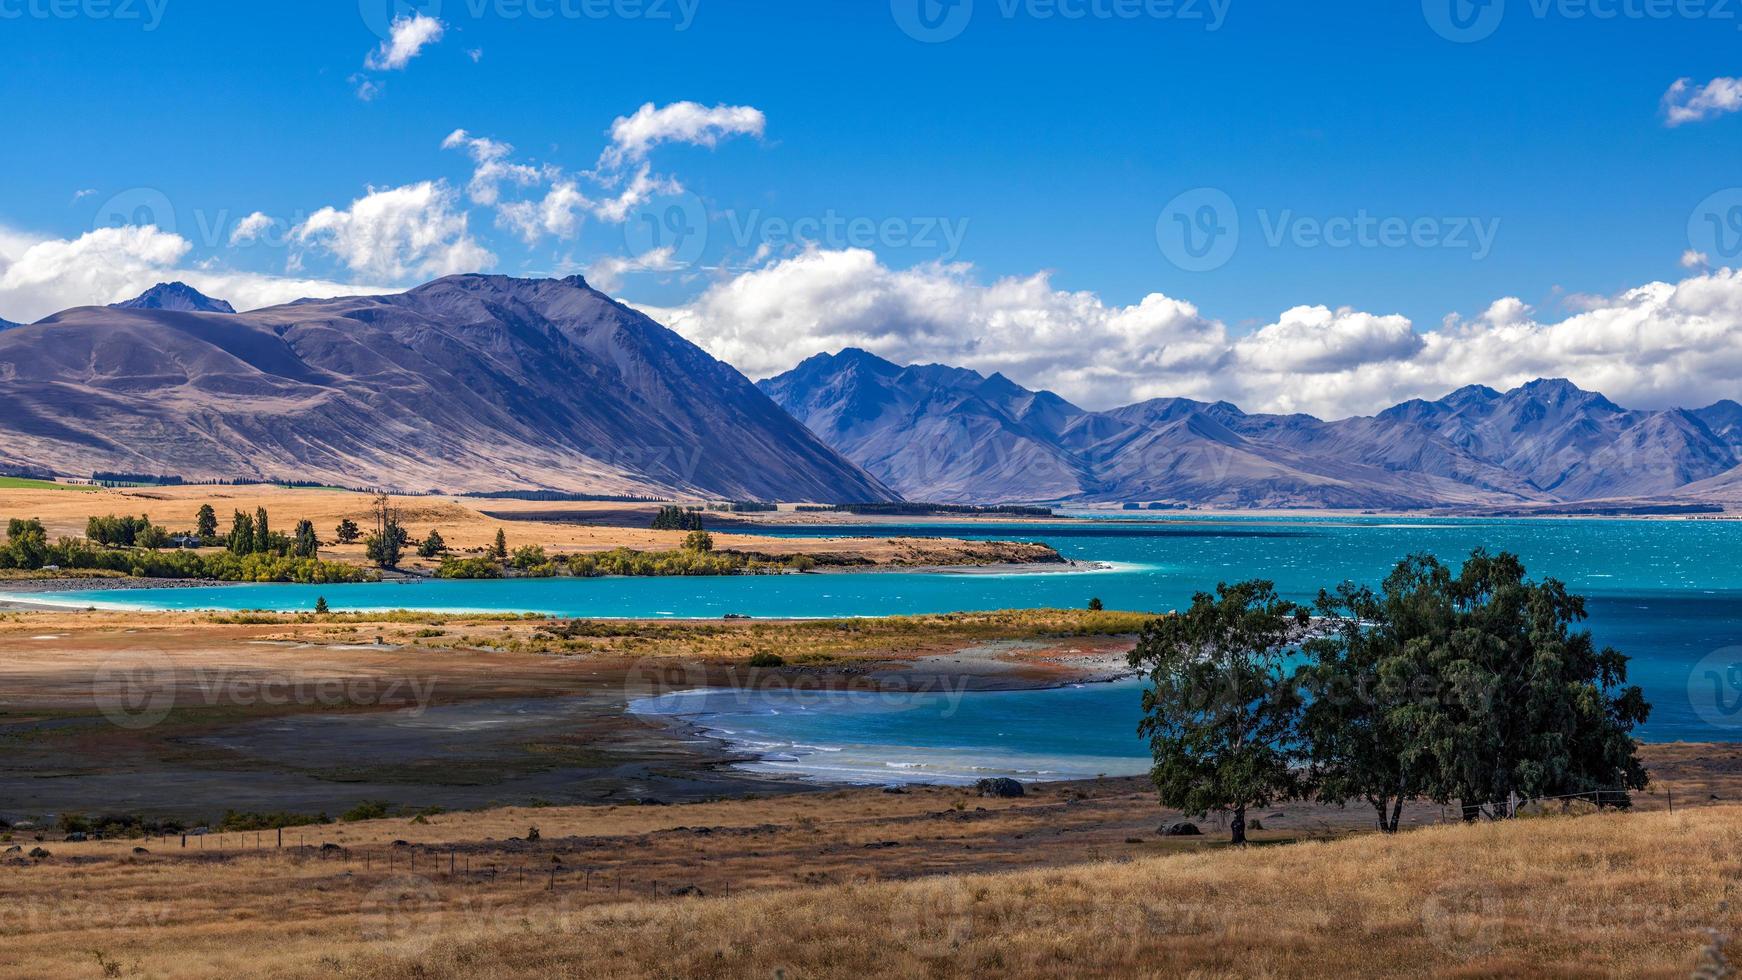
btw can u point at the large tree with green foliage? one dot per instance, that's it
(206, 523)
(241, 538)
(1528, 706)
(387, 544)
(305, 544)
(1221, 707)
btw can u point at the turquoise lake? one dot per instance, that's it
(1668, 593)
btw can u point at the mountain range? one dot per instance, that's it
(480, 383)
(954, 435)
(467, 383)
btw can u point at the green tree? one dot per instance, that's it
(501, 548)
(241, 539)
(1095, 605)
(306, 544)
(348, 531)
(321, 608)
(432, 546)
(387, 544)
(262, 533)
(698, 541)
(1529, 706)
(1221, 707)
(206, 524)
(150, 536)
(1361, 680)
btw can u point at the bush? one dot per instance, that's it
(468, 568)
(765, 659)
(366, 810)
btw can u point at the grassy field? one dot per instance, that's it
(22, 483)
(1072, 881)
(578, 527)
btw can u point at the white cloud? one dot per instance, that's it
(559, 213)
(642, 188)
(83, 193)
(607, 273)
(40, 275)
(368, 89)
(1683, 103)
(399, 232)
(1655, 346)
(491, 168)
(1695, 260)
(250, 228)
(409, 36)
(680, 122)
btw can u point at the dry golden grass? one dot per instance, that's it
(465, 527)
(792, 889)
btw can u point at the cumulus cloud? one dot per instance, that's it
(559, 213)
(492, 167)
(399, 232)
(250, 228)
(1695, 260)
(642, 187)
(1684, 103)
(41, 275)
(634, 135)
(407, 39)
(1654, 346)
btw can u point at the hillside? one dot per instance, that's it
(949, 434)
(466, 383)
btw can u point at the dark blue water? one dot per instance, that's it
(1668, 593)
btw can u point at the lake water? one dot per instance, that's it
(1668, 593)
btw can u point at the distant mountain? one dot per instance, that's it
(952, 435)
(175, 296)
(8, 324)
(466, 383)
(944, 433)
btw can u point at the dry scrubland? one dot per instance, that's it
(566, 528)
(814, 886)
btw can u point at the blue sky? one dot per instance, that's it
(1049, 143)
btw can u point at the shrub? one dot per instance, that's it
(366, 810)
(766, 659)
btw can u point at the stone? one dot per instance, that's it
(1002, 787)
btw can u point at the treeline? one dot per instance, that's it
(129, 545)
(908, 509)
(672, 518)
(1471, 687)
(696, 557)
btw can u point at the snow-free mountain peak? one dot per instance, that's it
(175, 296)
